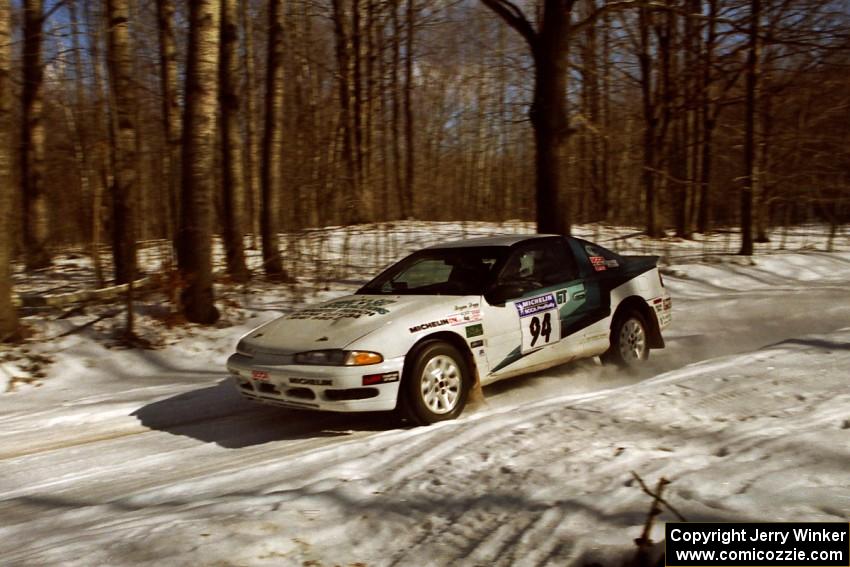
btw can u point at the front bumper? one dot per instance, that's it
(326, 388)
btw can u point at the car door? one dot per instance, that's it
(539, 324)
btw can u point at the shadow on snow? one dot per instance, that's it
(218, 414)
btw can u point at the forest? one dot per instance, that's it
(124, 121)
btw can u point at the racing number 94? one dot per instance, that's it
(540, 328)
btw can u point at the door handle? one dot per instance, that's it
(579, 295)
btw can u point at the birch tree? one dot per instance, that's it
(124, 155)
(170, 107)
(194, 238)
(273, 144)
(233, 178)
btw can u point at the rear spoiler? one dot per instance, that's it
(641, 263)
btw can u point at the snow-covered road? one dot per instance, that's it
(152, 458)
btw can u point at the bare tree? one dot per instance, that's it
(252, 165)
(233, 178)
(34, 198)
(750, 178)
(124, 154)
(170, 108)
(347, 62)
(549, 46)
(194, 239)
(273, 144)
(409, 131)
(708, 118)
(8, 316)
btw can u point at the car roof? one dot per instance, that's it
(501, 240)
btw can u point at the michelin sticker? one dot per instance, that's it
(528, 307)
(539, 322)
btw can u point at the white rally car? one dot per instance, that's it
(420, 335)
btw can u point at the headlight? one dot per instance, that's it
(338, 357)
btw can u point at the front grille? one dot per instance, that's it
(305, 393)
(268, 388)
(351, 394)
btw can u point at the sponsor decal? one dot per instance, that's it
(468, 306)
(476, 344)
(528, 307)
(345, 309)
(612, 264)
(562, 296)
(430, 325)
(465, 317)
(371, 379)
(260, 375)
(599, 263)
(311, 381)
(474, 331)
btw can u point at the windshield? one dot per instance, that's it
(440, 271)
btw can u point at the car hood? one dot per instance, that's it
(340, 322)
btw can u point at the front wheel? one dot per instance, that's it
(436, 384)
(629, 346)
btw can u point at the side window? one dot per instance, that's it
(557, 263)
(546, 263)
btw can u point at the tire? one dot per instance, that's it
(436, 383)
(629, 341)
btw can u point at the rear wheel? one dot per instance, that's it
(436, 384)
(629, 340)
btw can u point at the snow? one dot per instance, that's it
(129, 457)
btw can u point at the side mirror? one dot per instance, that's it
(501, 293)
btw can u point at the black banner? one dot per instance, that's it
(804, 544)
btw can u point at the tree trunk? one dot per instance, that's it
(124, 140)
(252, 169)
(549, 117)
(763, 187)
(750, 167)
(170, 109)
(34, 199)
(650, 124)
(704, 214)
(101, 164)
(346, 64)
(273, 144)
(89, 188)
(550, 50)
(409, 135)
(359, 212)
(8, 315)
(395, 119)
(233, 179)
(194, 250)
